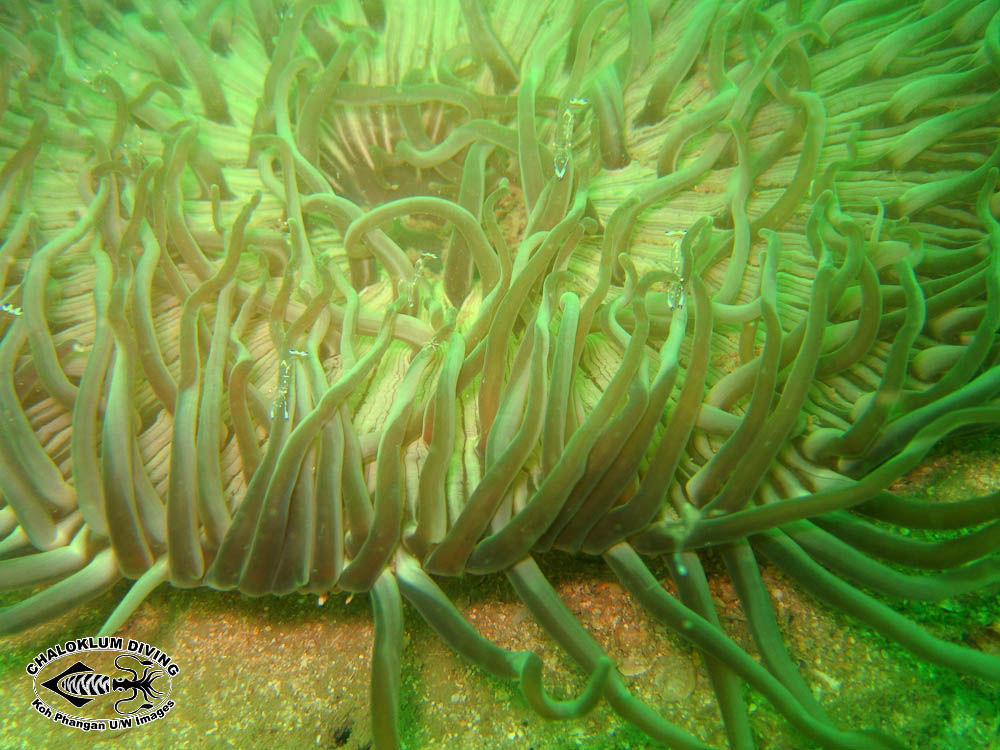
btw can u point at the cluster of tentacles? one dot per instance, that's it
(341, 296)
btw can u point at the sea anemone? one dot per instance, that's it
(321, 297)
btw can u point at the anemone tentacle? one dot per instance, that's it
(342, 296)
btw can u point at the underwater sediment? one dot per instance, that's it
(354, 297)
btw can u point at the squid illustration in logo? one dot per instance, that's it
(79, 684)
